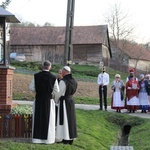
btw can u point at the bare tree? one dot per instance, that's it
(46, 24)
(147, 46)
(24, 24)
(5, 4)
(140, 52)
(119, 29)
(30, 24)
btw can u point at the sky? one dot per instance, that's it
(87, 12)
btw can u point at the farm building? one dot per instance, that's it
(90, 43)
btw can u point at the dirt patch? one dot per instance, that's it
(21, 84)
(85, 89)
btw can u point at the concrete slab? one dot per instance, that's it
(121, 148)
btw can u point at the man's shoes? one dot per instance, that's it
(68, 142)
(100, 109)
(60, 142)
(65, 141)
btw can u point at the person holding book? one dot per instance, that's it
(118, 94)
(132, 93)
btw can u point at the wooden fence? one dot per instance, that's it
(15, 126)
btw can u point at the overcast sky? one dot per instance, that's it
(87, 12)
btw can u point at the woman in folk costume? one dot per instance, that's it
(118, 94)
(147, 77)
(131, 75)
(143, 95)
(132, 90)
(66, 130)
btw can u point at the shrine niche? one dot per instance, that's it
(6, 71)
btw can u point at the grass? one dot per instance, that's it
(97, 130)
(22, 96)
(88, 72)
(88, 100)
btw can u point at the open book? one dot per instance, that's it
(134, 86)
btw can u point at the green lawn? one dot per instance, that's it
(97, 130)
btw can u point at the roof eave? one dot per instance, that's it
(10, 18)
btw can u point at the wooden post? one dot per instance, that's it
(68, 49)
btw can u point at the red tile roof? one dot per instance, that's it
(56, 35)
(136, 51)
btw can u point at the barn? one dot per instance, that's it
(90, 44)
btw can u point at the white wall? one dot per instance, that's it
(142, 64)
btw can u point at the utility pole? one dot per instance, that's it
(68, 48)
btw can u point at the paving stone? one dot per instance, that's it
(121, 148)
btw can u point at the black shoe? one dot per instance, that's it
(100, 108)
(60, 142)
(117, 110)
(145, 111)
(65, 142)
(70, 142)
(133, 111)
(142, 111)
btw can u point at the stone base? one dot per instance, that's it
(6, 108)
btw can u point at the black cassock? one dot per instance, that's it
(66, 125)
(44, 83)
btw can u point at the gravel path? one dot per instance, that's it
(95, 107)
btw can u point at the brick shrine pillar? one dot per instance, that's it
(6, 89)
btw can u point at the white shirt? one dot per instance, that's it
(103, 79)
(62, 91)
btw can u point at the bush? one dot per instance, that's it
(20, 110)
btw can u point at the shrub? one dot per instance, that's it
(22, 109)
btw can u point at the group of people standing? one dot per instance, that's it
(54, 118)
(132, 95)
